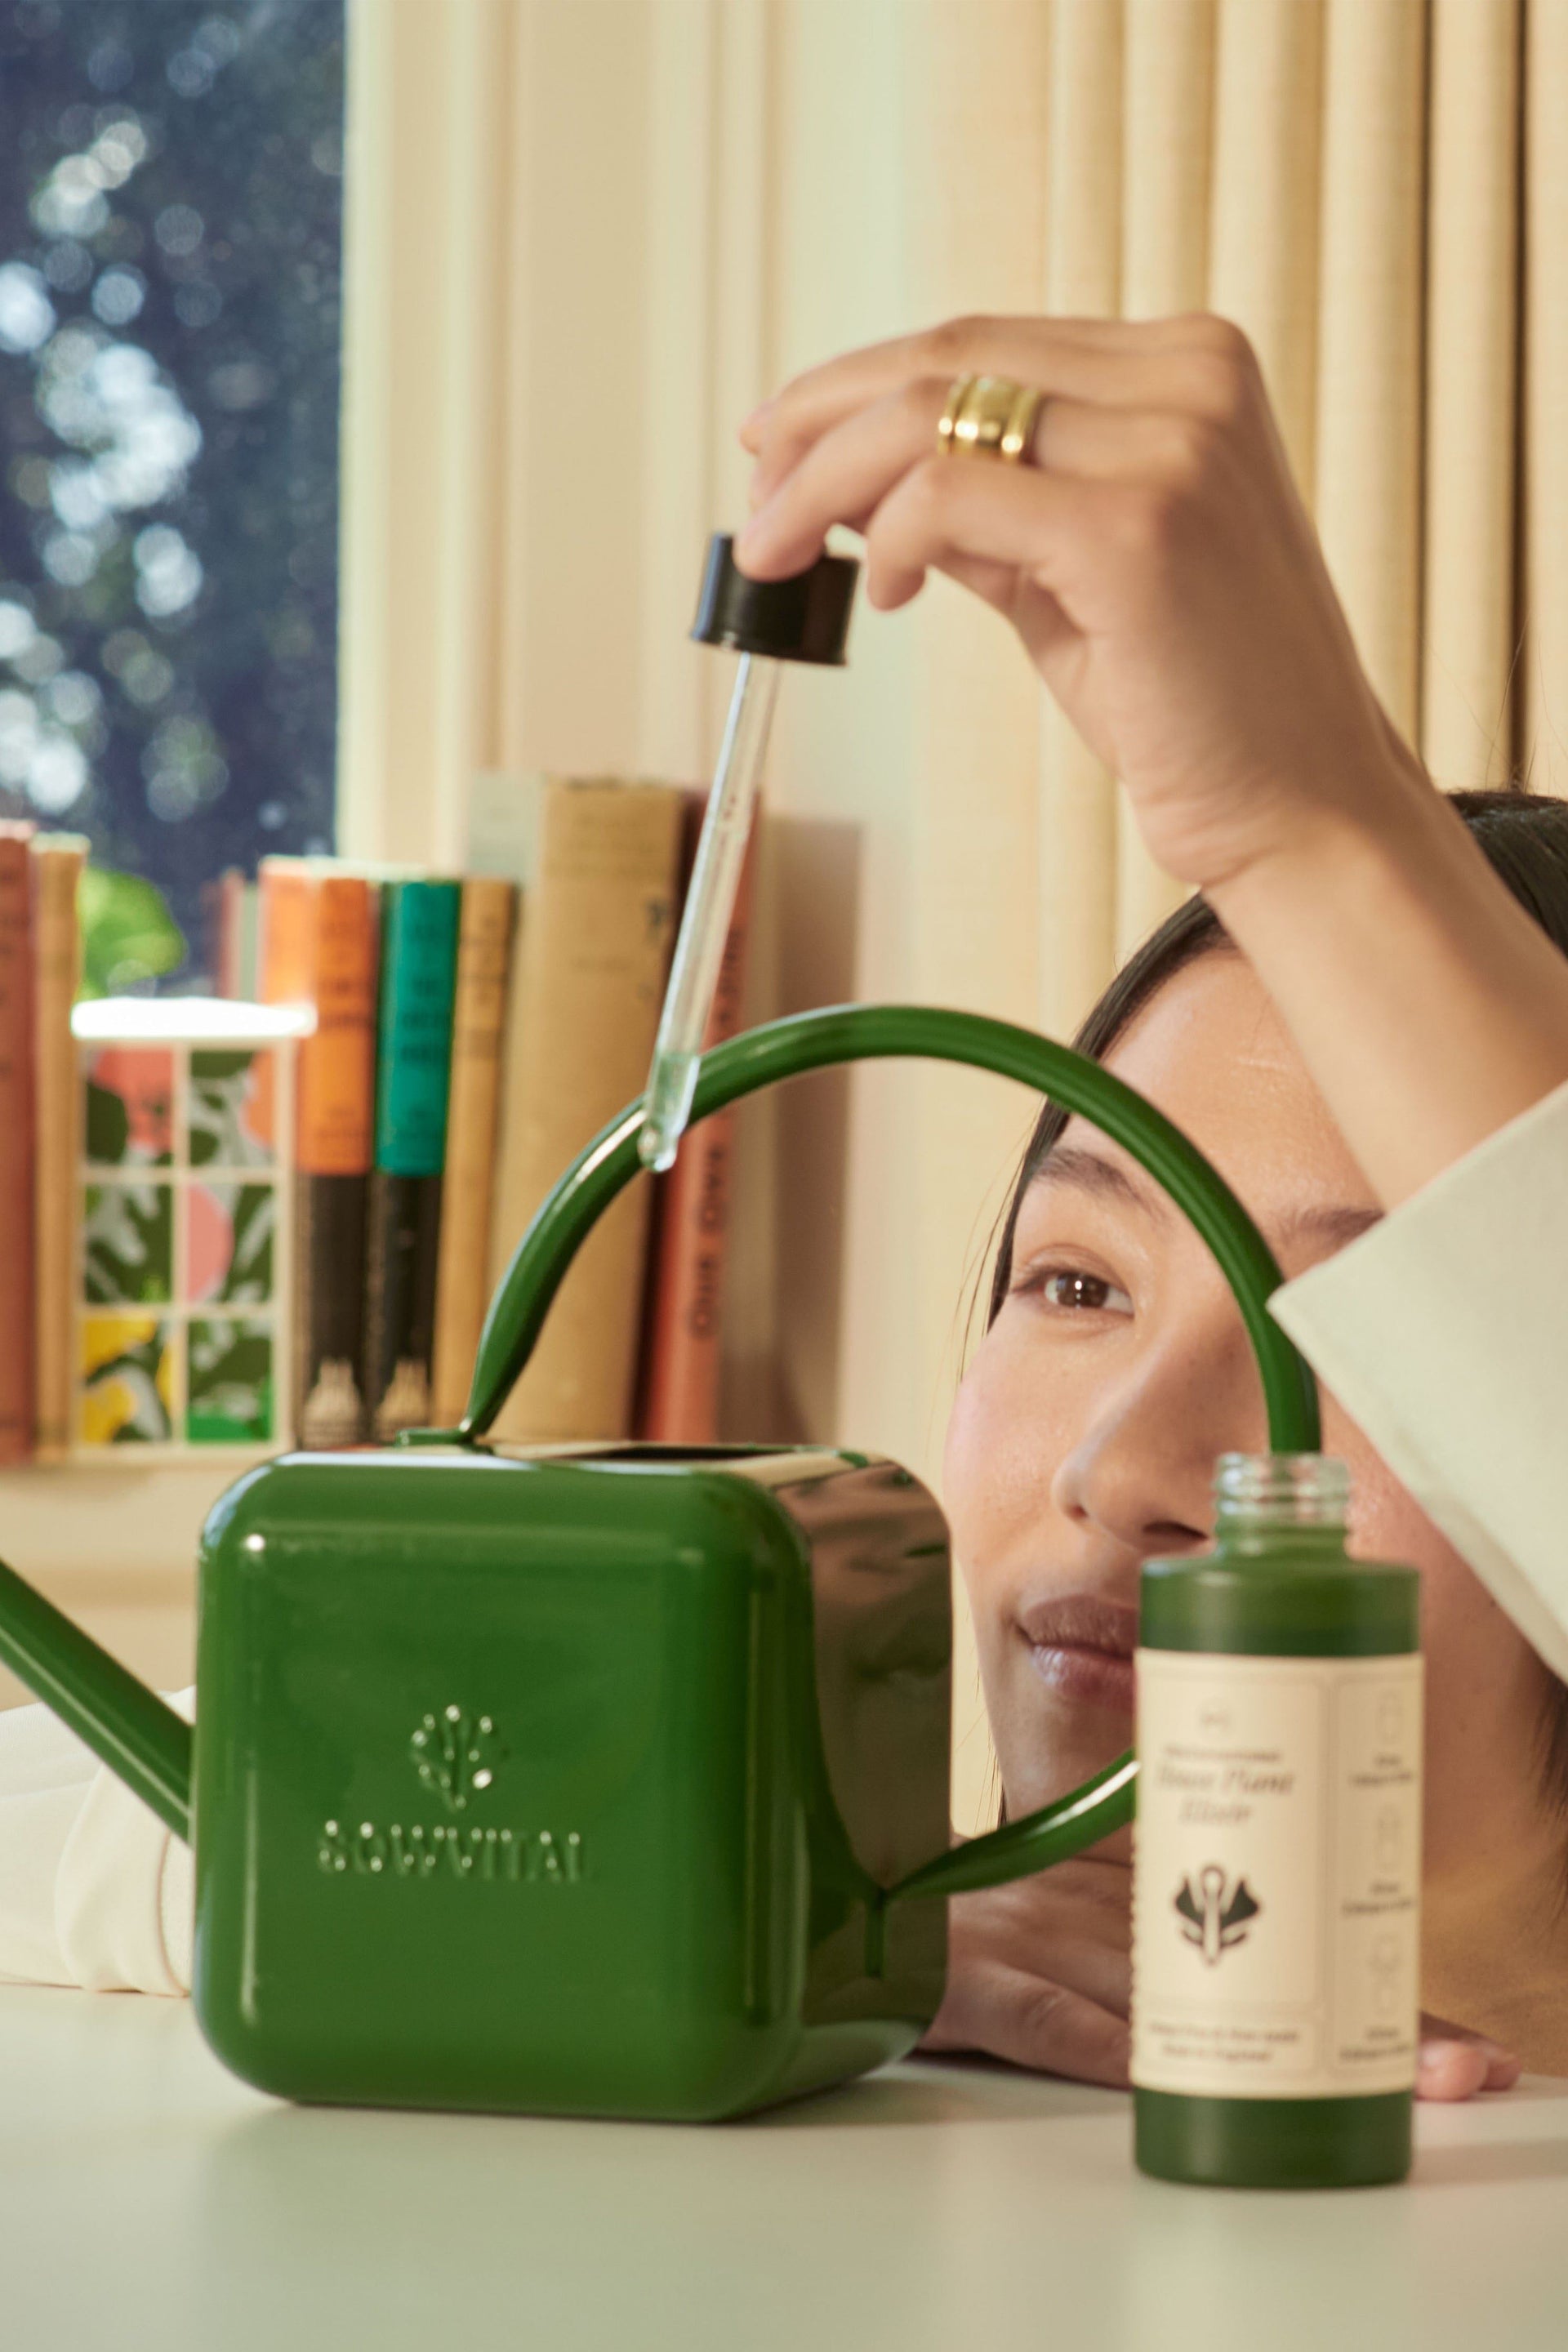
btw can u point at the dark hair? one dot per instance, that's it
(1525, 838)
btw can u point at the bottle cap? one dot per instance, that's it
(802, 619)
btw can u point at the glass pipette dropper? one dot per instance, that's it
(710, 903)
(805, 618)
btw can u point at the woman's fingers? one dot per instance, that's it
(1071, 353)
(841, 476)
(844, 475)
(1061, 527)
(1009, 2013)
(1191, 365)
(1074, 1921)
(1451, 2062)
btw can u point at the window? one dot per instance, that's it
(170, 242)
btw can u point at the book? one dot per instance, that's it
(233, 954)
(56, 860)
(585, 1003)
(418, 973)
(485, 934)
(502, 825)
(17, 1268)
(678, 1384)
(318, 946)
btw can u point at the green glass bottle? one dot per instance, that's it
(1277, 1857)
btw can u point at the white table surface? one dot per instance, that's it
(148, 2199)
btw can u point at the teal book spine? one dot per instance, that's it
(418, 980)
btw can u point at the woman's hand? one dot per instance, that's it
(1159, 567)
(1040, 1973)
(1154, 558)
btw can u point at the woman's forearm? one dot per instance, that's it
(1429, 1007)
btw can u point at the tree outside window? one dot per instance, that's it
(170, 243)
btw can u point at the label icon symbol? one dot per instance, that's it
(1216, 1917)
(455, 1752)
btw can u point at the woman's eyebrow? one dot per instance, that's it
(1085, 1172)
(1337, 1226)
(1331, 1227)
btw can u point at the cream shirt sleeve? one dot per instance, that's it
(1444, 1333)
(94, 1891)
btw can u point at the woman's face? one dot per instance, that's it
(1085, 1432)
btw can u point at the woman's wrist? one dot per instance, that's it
(1429, 1007)
(1387, 818)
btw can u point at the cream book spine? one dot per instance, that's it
(589, 978)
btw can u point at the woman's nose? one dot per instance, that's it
(1142, 1470)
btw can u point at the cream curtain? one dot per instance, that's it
(1376, 190)
(582, 240)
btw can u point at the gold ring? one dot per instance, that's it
(989, 416)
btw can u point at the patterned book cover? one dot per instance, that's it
(318, 946)
(419, 974)
(179, 1320)
(15, 1144)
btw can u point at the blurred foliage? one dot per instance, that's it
(170, 238)
(128, 935)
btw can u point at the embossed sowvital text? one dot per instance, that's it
(420, 1850)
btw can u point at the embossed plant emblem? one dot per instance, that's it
(454, 1754)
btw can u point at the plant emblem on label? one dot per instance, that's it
(1214, 1917)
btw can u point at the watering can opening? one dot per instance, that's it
(708, 1680)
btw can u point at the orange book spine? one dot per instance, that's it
(318, 946)
(478, 1017)
(677, 1388)
(16, 1267)
(285, 957)
(58, 860)
(337, 1065)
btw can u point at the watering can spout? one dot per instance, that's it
(126, 1726)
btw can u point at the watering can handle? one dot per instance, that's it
(855, 1032)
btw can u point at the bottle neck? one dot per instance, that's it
(1274, 1502)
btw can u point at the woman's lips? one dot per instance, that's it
(1082, 1647)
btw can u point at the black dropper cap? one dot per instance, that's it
(802, 619)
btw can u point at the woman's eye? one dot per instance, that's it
(1086, 1293)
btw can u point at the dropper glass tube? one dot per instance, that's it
(710, 903)
(804, 618)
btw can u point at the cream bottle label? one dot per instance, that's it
(1277, 1875)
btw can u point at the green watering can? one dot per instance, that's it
(607, 1782)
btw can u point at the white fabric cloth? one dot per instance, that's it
(94, 1891)
(1443, 1331)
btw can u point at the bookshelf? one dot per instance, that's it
(192, 1244)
